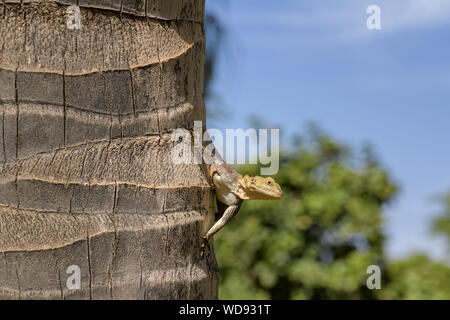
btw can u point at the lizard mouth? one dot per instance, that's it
(277, 195)
(269, 193)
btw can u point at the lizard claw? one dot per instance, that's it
(204, 241)
(203, 245)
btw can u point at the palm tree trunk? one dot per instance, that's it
(86, 177)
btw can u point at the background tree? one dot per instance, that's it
(318, 240)
(86, 176)
(418, 277)
(441, 224)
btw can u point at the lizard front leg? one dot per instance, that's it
(229, 213)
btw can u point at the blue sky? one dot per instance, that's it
(291, 62)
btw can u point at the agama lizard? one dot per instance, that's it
(231, 189)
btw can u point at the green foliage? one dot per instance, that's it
(441, 224)
(318, 240)
(417, 278)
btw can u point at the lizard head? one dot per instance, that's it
(259, 188)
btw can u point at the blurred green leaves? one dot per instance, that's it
(441, 224)
(417, 278)
(318, 240)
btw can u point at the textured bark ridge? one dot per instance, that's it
(191, 10)
(86, 177)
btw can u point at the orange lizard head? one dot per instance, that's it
(259, 188)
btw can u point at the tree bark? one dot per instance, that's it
(86, 176)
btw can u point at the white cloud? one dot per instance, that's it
(331, 22)
(416, 14)
(399, 13)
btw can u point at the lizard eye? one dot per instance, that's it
(252, 181)
(269, 182)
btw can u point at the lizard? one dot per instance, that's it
(231, 189)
